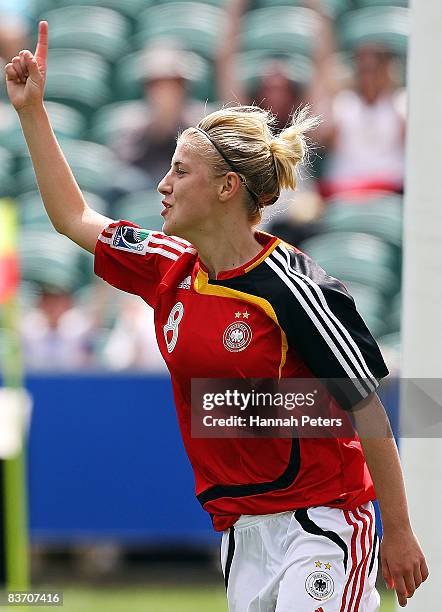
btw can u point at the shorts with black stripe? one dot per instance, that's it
(308, 560)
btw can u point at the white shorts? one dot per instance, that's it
(317, 559)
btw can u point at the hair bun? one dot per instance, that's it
(241, 137)
(290, 148)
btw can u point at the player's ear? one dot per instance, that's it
(229, 185)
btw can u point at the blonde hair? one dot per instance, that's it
(243, 136)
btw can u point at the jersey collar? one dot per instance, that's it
(269, 243)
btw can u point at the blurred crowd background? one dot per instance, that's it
(125, 76)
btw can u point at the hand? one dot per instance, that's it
(403, 563)
(26, 73)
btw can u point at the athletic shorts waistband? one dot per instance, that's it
(246, 520)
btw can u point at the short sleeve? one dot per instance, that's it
(323, 326)
(134, 259)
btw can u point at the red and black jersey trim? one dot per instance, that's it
(285, 480)
(322, 325)
(320, 320)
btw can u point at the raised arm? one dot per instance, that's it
(229, 88)
(62, 198)
(322, 88)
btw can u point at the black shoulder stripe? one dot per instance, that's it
(316, 345)
(310, 295)
(320, 320)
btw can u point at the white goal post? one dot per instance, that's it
(422, 287)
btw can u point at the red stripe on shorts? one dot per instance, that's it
(353, 558)
(364, 565)
(358, 569)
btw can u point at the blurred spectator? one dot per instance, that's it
(56, 333)
(14, 36)
(276, 90)
(151, 142)
(363, 126)
(278, 93)
(132, 343)
(15, 7)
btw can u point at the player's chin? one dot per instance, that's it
(167, 227)
(171, 228)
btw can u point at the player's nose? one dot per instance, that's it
(164, 186)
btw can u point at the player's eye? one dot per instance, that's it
(180, 171)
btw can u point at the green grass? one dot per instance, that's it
(168, 599)
(145, 600)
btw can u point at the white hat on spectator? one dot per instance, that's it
(163, 61)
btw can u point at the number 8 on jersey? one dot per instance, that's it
(173, 321)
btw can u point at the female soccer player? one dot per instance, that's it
(231, 302)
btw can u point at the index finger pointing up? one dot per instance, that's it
(41, 52)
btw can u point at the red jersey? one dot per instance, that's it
(300, 323)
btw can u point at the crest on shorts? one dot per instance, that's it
(319, 585)
(237, 336)
(131, 239)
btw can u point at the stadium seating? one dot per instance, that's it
(32, 214)
(66, 122)
(380, 216)
(356, 257)
(113, 119)
(196, 25)
(363, 3)
(94, 166)
(49, 258)
(334, 7)
(96, 29)
(38, 8)
(280, 28)
(129, 76)
(387, 25)
(391, 340)
(128, 8)
(253, 65)
(79, 79)
(11, 135)
(372, 306)
(6, 167)
(220, 3)
(395, 312)
(390, 346)
(143, 207)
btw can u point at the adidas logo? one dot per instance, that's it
(185, 283)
